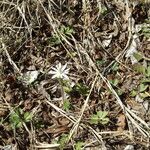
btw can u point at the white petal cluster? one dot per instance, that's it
(60, 71)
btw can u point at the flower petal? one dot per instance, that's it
(65, 77)
(53, 68)
(52, 72)
(58, 66)
(64, 67)
(54, 76)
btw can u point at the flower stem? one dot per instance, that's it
(62, 90)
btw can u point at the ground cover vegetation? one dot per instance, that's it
(74, 74)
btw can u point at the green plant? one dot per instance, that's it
(18, 117)
(79, 145)
(103, 10)
(66, 105)
(65, 31)
(148, 71)
(143, 87)
(55, 40)
(146, 31)
(63, 140)
(133, 93)
(115, 67)
(139, 68)
(68, 86)
(114, 82)
(143, 90)
(100, 118)
(81, 88)
(144, 83)
(138, 56)
(100, 62)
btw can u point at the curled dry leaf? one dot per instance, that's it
(106, 42)
(121, 122)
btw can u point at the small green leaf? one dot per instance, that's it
(15, 119)
(146, 32)
(138, 56)
(100, 117)
(115, 67)
(66, 30)
(146, 80)
(148, 71)
(81, 88)
(103, 10)
(143, 87)
(133, 93)
(115, 82)
(100, 62)
(67, 89)
(55, 40)
(102, 114)
(27, 117)
(104, 121)
(66, 105)
(19, 124)
(119, 92)
(79, 145)
(139, 68)
(94, 119)
(62, 141)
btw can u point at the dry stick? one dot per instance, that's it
(10, 60)
(46, 146)
(24, 18)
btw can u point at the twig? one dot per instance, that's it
(10, 60)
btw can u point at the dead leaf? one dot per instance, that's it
(121, 122)
(57, 130)
(107, 40)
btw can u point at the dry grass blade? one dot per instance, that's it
(46, 146)
(10, 60)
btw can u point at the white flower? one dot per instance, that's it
(60, 71)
